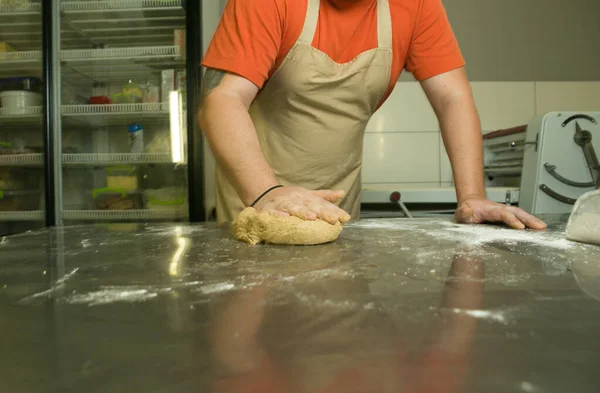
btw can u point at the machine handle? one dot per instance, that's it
(551, 169)
(583, 138)
(553, 194)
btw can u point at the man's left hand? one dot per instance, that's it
(479, 211)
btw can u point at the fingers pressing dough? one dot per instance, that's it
(254, 228)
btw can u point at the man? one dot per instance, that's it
(291, 85)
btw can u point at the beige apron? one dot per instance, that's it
(312, 114)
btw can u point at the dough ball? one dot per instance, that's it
(584, 223)
(252, 227)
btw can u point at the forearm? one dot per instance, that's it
(452, 100)
(234, 330)
(461, 132)
(232, 137)
(462, 298)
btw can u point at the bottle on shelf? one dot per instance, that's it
(136, 138)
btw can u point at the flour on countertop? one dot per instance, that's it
(67, 276)
(108, 296)
(168, 231)
(470, 234)
(214, 288)
(496, 316)
(412, 224)
(480, 234)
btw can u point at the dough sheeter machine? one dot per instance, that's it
(542, 167)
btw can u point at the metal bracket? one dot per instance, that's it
(551, 169)
(509, 198)
(537, 139)
(553, 194)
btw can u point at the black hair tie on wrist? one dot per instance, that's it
(265, 193)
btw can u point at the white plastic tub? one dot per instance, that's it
(20, 99)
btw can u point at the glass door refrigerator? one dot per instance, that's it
(123, 111)
(22, 128)
(97, 115)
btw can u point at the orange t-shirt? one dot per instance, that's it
(254, 36)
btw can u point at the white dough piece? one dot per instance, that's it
(584, 223)
(252, 227)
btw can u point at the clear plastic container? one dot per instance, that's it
(132, 94)
(169, 198)
(20, 179)
(116, 199)
(122, 177)
(14, 200)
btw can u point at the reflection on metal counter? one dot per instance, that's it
(392, 305)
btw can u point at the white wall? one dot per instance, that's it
(528, 40)
(403, 145)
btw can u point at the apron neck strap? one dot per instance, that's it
(384, 23)
(310, 23)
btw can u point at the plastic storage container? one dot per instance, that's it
(20, 179)
(16, 147)
(116, 199)
(12, 200)
(132, 94)
(19, 99)
(122, 177)
(25, 83)
(5, 46)
(169, 198)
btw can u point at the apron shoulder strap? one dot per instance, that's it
(384, 24)
(310, 23)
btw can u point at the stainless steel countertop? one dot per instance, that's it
(392, 306)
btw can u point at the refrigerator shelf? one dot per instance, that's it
(21, 112)
(90, 115)
(115, 109)
(19, 117)
(20, 57)
(117, 158)
(21, 159)
(119, 72)
(74, 7)
(124, 215)
(88, 110)
(93, 56)
(132, 53)
(20, 9)
(88, 159)
(34, 215)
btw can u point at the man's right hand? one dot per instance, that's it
(305, 204)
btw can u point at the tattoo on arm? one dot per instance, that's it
(212, 79)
